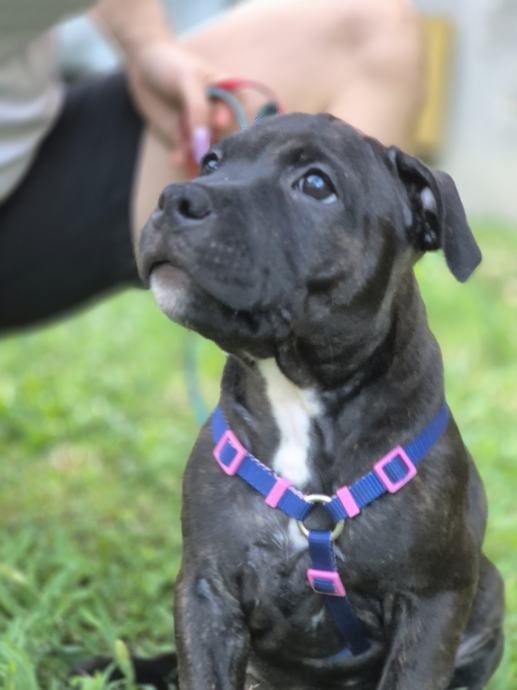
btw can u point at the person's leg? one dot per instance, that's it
(64, 233)
(362, 60)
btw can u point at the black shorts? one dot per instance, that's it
(65, 231)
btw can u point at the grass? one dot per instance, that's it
(95, 427)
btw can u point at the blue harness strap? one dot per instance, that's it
(389, 475)
(324, 579)
(234, 459)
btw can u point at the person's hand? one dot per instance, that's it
(169, 87)
(168, 83)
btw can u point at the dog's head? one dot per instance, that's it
(298, 224)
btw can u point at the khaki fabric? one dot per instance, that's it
(30, 93)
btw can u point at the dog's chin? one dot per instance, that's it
(170, 287)
(180, 298)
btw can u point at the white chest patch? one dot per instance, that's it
(293, 409)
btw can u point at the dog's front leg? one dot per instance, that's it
(424, 639)
(211, 637)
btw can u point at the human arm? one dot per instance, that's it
(166, 79)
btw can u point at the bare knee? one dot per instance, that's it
(383, 37)
(380, 48)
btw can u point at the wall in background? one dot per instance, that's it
(480, 150)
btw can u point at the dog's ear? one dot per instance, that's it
(437, 218)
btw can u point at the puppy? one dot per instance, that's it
(294, 251)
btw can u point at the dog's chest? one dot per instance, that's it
(283, 611)
(293, 410)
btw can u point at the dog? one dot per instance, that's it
(294, 251)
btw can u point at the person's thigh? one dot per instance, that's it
(312, 53)
(359, 59)
(65, 232)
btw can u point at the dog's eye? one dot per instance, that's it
(209, 163)
(317, 184)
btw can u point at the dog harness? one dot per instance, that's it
(389, 474)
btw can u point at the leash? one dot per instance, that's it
(227, 91)
(388, 476)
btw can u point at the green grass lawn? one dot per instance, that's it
(95, 428)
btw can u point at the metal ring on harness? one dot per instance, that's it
(318, 499)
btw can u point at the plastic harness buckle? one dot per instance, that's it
(382, 467)
(227, 443)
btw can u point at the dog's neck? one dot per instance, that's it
(305, 411)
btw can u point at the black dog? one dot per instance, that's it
(294, 251)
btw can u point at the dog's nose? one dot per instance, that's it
(187, 202)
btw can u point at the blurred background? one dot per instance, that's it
(96, 420)
(469, 122)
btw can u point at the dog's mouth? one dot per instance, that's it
(163, 267)
(149, 266)
(154, 266)
(182, 299)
